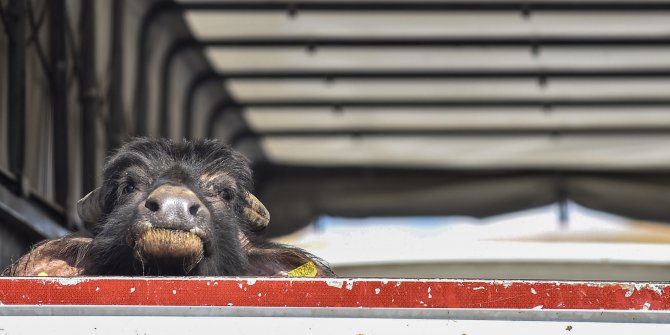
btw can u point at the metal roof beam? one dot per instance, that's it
(437, 103)
(439, 74)
(477, 132)
(425, 6)
(464, 132)
(432, 42)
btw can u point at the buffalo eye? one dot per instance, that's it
(226, 194)
(128, 187)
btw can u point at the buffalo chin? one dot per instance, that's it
(169, 251)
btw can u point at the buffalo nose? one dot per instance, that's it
(174, 206)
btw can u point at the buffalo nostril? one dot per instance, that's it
(152, 205)
(194, 209)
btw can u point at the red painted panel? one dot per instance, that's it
(273, 292)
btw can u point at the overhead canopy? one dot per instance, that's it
(379, 108)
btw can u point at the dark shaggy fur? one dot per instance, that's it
(217, 175)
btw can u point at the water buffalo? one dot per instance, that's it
(171, 208)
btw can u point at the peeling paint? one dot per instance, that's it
(630, 289)
(67, 281)
(334, 283)
(654, 287)
(251, 281)
(533, 291)
(629, 293)
(430, 296)
(640, 286)
(538, 307)
(174, 291)
(646, 306)
(503, 283)
(132, 290)
(350, 285)
(97, 289)
(240, 285)
(478, 288)
(377, 290)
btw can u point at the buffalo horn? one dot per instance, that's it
(89, 207)
(255, 213)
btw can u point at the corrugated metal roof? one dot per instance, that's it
(554, 86)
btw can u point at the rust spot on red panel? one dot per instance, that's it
(303, 292)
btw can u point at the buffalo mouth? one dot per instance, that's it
(181, 247)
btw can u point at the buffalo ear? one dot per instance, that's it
(89, 208)
(254, 212)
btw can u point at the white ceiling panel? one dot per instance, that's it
(315, 119)
(625, 88)
(215, 24)
(429, 89)
(610, 57)
(370, 90)
(600, 23)
(596, 152)
(383, 58)
(438, 58)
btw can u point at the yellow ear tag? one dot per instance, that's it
(42, 274)
(306, 270)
